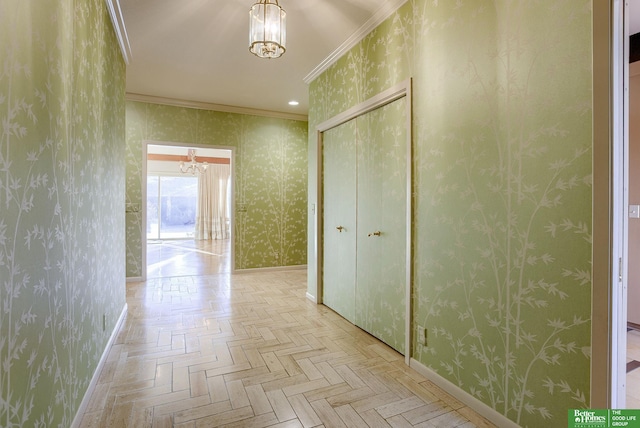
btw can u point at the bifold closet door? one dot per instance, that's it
(339, 234)
(382, 223)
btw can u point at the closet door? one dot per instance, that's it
(339, 196)
(382, 223)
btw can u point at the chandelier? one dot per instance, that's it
(193, 167)
(267, 29)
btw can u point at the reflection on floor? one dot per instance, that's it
(187, 257)
(250, 350)
(172, 258)
(633, 376)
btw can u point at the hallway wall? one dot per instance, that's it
(62, 282)
(502, 191)
(270, 171)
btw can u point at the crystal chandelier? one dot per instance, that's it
(267, 29)
(193, 167)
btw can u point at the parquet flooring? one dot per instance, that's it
(249, 350)
(187, 257)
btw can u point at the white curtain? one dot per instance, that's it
(212, 219)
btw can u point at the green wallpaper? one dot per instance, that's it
(270, 175)
(61, 204)
(502, 190)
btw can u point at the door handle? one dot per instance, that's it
(340, 229)
(376, 233)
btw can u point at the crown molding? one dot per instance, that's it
(115, 12)
(215, 107)
(384, 12)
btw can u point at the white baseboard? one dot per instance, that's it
(96, 374)
(134, 279)
(312, 298)
(271, 269)
(463, 396)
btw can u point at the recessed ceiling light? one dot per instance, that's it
(293, 103)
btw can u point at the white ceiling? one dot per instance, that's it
(197, 50)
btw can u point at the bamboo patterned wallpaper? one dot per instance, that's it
(270, 173)
(61, 204)
(502, 186)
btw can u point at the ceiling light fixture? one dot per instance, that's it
(293, 103)
(267, 29)
(193, 167)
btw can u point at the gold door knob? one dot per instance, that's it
(376, 233)
(340, 229)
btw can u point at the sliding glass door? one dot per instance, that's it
(171, 206)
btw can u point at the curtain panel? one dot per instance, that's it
(212, 220)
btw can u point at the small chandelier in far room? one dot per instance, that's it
(193, 167)
(267, 29)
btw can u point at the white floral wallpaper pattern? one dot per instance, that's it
(61, 204)
(270, 173)
(502, 190)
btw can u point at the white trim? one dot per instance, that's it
(319, 218)
(378, 17)
(115, 12)
(143, 203)
(409, 220)
(77, 420)
(234, 214)
(620, 130)
(214, 107)
(312, 298)
(402, 89)
(269, 269)
(463, 396)
(135, 279)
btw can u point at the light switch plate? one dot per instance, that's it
(422, 335)
(634, 211)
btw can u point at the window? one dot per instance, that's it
(171, 206)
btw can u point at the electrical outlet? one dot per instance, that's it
(422, 336)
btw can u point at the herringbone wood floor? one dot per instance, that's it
(249, 350)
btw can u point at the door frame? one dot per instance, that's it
(620, 173)
(143, 227)
(610, 202)
(401, 90)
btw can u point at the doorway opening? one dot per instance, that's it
(623, 375)
(187, 222)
